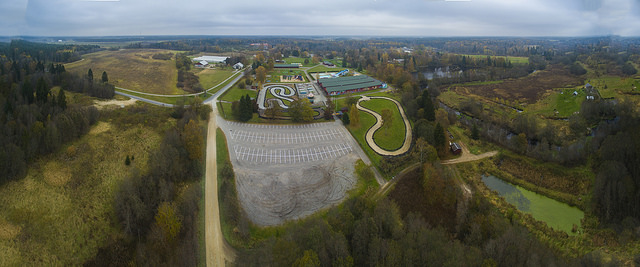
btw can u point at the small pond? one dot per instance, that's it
(556, 214)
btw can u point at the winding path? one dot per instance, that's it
(369, 135)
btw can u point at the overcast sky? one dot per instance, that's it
(326, 17)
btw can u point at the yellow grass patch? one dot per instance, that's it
(101, 127)
(114, 103)
(56, 173)
(8, 230)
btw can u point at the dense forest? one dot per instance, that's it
(34, 119)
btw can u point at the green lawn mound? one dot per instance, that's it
(392, 138)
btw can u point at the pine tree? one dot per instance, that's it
(345, 118)
(475, 133)
(90, 75)
(429, 111)
(127, 161)
(62, 99)
(438, 136)
(42, 91)
(105, 78)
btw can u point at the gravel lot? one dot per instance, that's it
(286, 172)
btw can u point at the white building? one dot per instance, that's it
(238, 66)
(211, 59)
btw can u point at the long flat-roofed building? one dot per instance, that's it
(348, 84)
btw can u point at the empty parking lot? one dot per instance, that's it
(286, 172)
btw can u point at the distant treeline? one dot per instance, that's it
(61, 53)
(34, 120)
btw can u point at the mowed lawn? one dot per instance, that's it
(212, 77)
(235, 93)
(61, 213)
(387, 138)
(366, 121)
(132, 69)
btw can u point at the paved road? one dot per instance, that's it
(145, 100)
(207, 101)
(369, 135)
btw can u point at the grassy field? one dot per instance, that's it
(393, 137)
(61, 213)
(562, 101)
(366, 121)
(132, 69)
(235, 93)
(212, 77)
(514, 60)
(292, 60)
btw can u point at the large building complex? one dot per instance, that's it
(348, 84)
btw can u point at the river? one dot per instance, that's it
(556, 214)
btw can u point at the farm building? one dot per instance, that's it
(238, 66)
(211, 59)
(348, 84)
(202, 64)
(282, 66)
(455, 148)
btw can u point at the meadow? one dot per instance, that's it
(212, 77)
(62, 212)
(132, 69)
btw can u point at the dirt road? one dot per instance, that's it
(217, 250)
(467, 156)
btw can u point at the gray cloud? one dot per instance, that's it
(329, 17)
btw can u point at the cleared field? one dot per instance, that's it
(563, 101)
(61, 213)
(132, 69)
(528, 89)
(212, 77)
(392, 138)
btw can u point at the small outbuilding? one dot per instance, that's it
(455, 148)
(238, 66)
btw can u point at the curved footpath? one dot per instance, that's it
(369, 135)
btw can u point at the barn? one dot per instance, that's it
(455, 148)
(348, 84)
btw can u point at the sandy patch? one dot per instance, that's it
(8, 230)
(101, 127)
(114, 102)
(56, 174)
